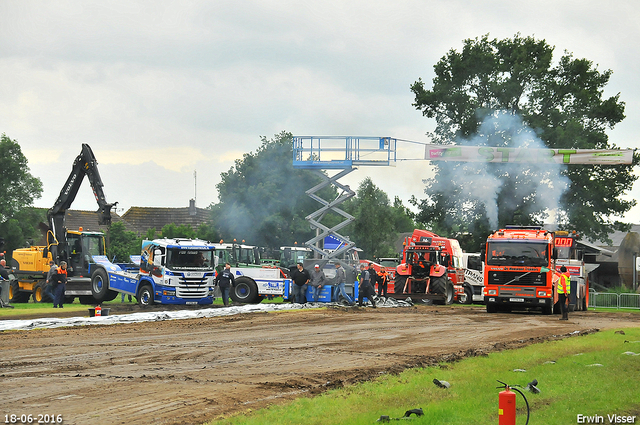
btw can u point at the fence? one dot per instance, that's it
(613, 300)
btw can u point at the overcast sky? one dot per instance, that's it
(160, 89)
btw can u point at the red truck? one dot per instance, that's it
(431, 268)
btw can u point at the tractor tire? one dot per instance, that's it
(145, 296)
(245, 291)
(100, 286)
(40, 294)
(442, 286)
(86, 300)
(467, 298)
(16, 295)
(398, 285)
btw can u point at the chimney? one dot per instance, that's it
(192, 207)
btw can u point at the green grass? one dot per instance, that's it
(570, 386)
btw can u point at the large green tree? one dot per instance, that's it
(18, 189)
(262, 197)
(511, 93)
(377, 222)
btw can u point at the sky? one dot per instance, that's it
(169, 94)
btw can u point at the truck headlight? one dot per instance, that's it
(542, 294)
(492, 292)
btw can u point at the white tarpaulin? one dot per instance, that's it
(156, 316)
(525, 155)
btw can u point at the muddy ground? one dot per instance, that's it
(194, 370)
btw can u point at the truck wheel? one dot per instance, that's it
(86, 299)
(16, 295)
(491, 308)
(40, 295)
(145, 296)
(100, 286)
(245, 291)
(467, 298)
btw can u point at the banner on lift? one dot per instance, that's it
(526, 155)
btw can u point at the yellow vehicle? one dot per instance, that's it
(76, 247)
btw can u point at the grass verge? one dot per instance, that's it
(583, 375)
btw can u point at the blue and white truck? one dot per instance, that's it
(168, 271)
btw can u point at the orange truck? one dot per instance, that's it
(431, 268)
(519, 269)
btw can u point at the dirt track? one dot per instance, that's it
(191, 371)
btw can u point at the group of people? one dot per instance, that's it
(368, 277)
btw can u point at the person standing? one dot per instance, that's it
(59, 280)
(564, 288)
(300, 278)
(4, 274)
(48, 287)
(225, 281)
(373, 275)
(383, 280)
(341, 279)
(365, 288)
(317, 281)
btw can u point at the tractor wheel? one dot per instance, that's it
(442, 286)
(145, 296)
(245, 291)
(16, 295)
(100, 287)
(40, 294)
(398, 285)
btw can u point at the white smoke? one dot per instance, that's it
(507, 187)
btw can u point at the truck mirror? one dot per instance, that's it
(157, 257)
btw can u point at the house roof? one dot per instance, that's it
(88, 220)
(142, 219)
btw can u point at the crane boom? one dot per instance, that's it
(85, 164)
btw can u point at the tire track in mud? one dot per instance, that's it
(183, 372)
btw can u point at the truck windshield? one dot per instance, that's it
(93, 244)
(189, 259)
(517, 254)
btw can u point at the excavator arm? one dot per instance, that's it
(85, 164)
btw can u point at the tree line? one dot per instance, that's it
(475, 91)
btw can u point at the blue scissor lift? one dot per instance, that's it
(341, 155)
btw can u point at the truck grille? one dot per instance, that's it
(192, 287)
(183, 291)
(517, 278)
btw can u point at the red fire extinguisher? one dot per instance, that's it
(98, 311)
(507, 405)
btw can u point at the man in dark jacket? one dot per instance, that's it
(365, 288)
(59, 280)
(225, 281)
(317, 281)
(300, 284)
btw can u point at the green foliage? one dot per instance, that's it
(122, 243)
(566, 370)
(376, 221)
(262, 197)
(565, 106)
(151, 234)
(182, 231)
(18, 189)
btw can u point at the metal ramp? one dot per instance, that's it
(318, 153)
